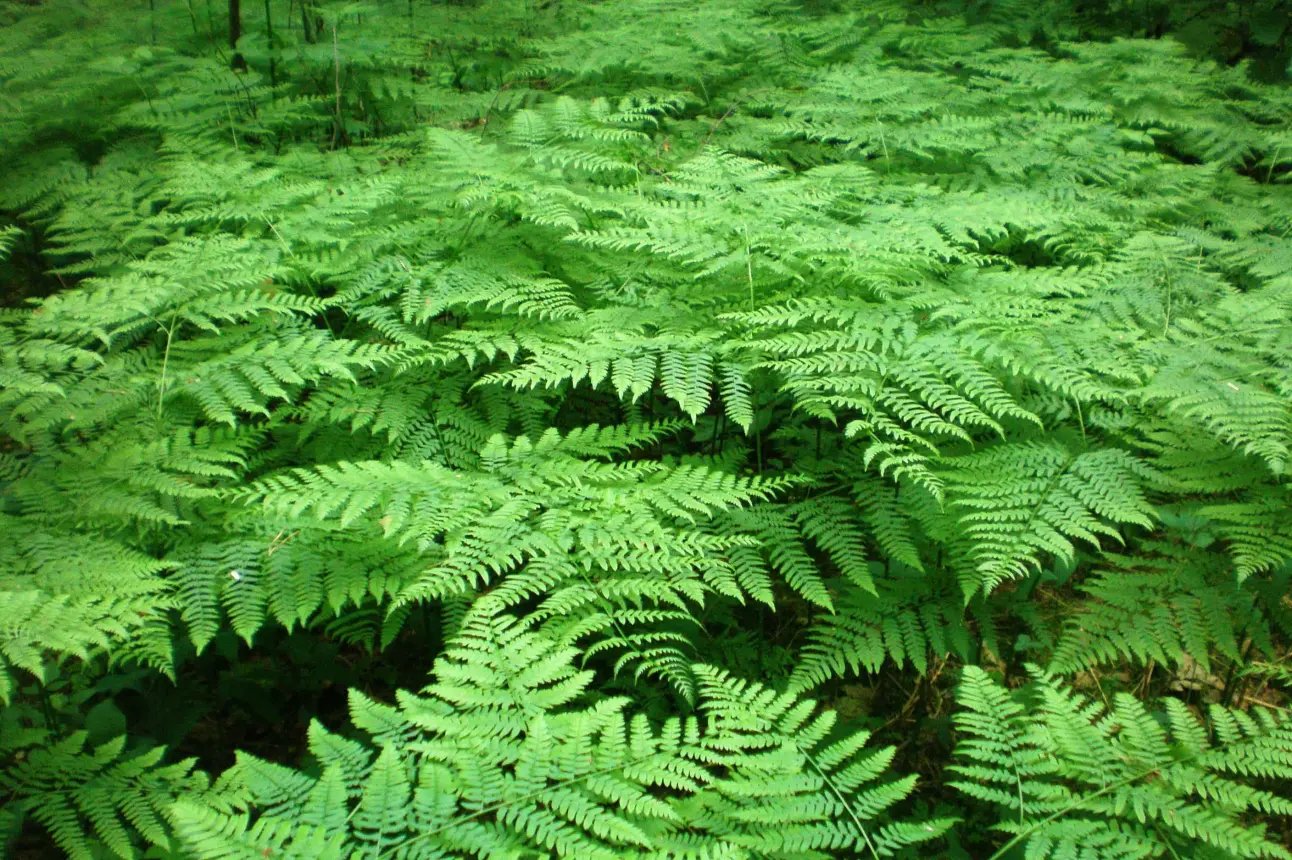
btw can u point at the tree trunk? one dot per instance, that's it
(269, 37)
(235, 33)
(306, 27)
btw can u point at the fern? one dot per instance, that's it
(600, 353)
(100, 797)
(1114, 780)
(1030, 499)
(1165, 609)
(909, 620)
(545, 772)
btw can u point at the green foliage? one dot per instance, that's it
(1115, 780)
(91, 796)
(1169, 609)
(909, 620)
(499, 758)
(596, 356)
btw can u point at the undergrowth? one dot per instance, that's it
(721, 429)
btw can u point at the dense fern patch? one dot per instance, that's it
(733, 429)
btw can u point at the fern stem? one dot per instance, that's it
(309, 284)
(233, 131)
(1170, 287)
(151, 107)
(1018, 780)
(574, 780)
(614, 623)
(852, 813)
(1166, 842)
(729, 112)
(1082, 801)
(439, 438)
(161, 382)
(1075, 805)
(749, 266)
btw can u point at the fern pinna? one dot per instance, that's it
(693, 390)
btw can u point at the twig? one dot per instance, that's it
(730, 111)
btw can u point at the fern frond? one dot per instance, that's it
(1072, 775)
(105, 796)
(1028, 499)
(544, 773)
